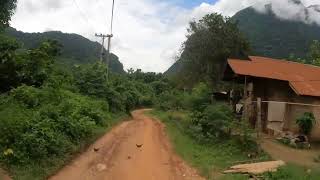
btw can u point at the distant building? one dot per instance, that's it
(287, 89)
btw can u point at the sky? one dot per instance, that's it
(147, 33)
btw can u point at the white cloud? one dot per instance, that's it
(289, 10)
(147, 33)
(284, 9)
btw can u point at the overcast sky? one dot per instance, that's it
(147, 33)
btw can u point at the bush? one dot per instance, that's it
(173, 100)
(306, 122)
(245, 137)
(214, 121)
(27, 95)
(116, 100)
(200, 97)
(47, 128)
(91, 79)
(197, 100)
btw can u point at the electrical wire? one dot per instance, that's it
(83, 15)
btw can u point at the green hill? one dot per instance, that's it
(76, 49)
(271, 36)
(176, 67)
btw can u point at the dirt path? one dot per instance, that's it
(281, 152)
(119, 158)
(3, 175)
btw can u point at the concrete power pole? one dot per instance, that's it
(109, 36)
(102, 45)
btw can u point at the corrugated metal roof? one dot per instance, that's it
(303, 79)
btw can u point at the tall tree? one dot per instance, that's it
(314, 53)
(7, 8)
(210, 42)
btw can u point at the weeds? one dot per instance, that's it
(209, 157)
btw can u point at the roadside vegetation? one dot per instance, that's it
(210, 157)
(204, 131)
(206, 134)
(51, 110)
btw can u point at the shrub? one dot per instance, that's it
(27, 95)
(91, 79)
(173, 100)
(306, 122)
(146, 101)
(245, 137)
(48, 127)
(116, 101)
(214, 121)
(200, 97)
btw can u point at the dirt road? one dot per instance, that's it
(290, 155)
(3, 175)
(118, 155)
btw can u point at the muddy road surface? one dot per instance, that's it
(134, 150)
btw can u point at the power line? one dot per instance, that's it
(109, 36)
(84, 16)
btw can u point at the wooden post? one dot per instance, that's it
(245, 87)
(245, 106)
(259, 121)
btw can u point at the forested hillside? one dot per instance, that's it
(75, 48)
(272, 37)
(176, 67)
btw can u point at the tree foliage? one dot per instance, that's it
(214, 121)
(47, 109)
(8, 63)
(7, 8)
(313, 57)
(314, 53)
(210, 42)
(30, 67)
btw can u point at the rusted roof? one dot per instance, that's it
(303, 79)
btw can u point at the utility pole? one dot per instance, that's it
(103, 36)
(102, 45)
(109, 36)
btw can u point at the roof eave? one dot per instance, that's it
(294, 89)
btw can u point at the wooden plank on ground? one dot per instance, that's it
(256, 168)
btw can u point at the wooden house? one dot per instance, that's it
(286, 89)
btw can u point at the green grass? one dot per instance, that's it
(42, 170)
(294, 172)
(211, 159)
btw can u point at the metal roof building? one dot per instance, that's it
(286, 89)
(303, 79)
